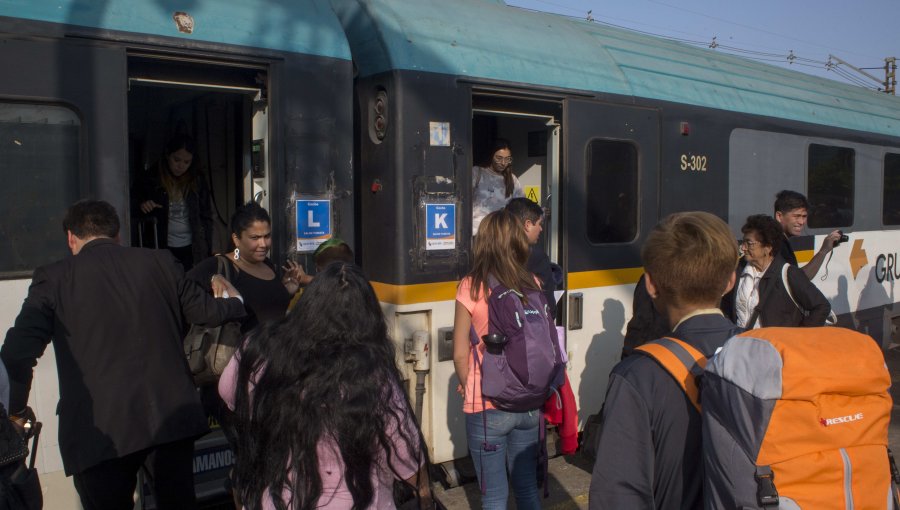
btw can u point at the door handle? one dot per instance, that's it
(576, 311)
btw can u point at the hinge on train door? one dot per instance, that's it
(262, 102)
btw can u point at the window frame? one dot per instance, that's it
(636, 206)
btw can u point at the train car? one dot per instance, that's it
(376, 111)
(611, 130)
(92, 90)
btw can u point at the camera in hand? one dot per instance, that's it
(494, 342)
(844, 238)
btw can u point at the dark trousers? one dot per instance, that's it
(110, 485)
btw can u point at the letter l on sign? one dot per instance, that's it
(313, 223)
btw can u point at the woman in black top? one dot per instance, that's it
(176, 197)
(266, 290)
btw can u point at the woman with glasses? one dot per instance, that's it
(493, 183)
(769, 291)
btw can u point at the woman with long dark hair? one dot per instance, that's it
(493, 182)
(321, 419)
(496, 438)
(177, 198)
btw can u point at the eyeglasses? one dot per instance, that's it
(501, 159)
(747, 242)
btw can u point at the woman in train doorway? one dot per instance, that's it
(322, 419)
(493, 183)
(266, 289)
(769, 291)
(176, 198)
(496, 438)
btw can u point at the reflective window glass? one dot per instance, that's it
(39, 158)
(831, 172)
(890, 206)
(612, 185)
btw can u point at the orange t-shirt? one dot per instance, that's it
(478, 309)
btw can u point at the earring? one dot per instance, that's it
(237, 254)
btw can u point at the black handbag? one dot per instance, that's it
(208, 350)
(20, 488)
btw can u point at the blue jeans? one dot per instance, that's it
(510, 441)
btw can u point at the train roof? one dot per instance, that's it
(300, 26)
(489, 40)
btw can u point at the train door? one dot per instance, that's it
(223, 110)
(611, 202)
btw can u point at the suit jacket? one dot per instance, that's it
(115, 316)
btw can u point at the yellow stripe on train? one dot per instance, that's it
(446, 291)
(804, 256)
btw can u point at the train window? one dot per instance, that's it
(39, 159)
(830, 193)
(890, 206)
(612, 185)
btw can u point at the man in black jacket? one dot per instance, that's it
(792, 212)
(115, 316)
(648, 451)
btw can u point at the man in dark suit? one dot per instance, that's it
(115, 316)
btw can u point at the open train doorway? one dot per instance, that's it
(532, 128)
(221, 110)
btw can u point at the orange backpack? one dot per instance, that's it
(793, 418)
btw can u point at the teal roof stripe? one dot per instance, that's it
(300, 26)
(487, 39)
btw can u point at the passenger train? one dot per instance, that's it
(376, 110)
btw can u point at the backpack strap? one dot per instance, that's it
(787, 286)
(831, 320)
(681, 360)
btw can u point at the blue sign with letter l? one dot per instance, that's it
(313, 223)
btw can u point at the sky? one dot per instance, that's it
(860, 32)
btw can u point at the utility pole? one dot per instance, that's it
(890, 75)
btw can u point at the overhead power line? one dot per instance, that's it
(789, 58)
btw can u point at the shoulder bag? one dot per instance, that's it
(208, 350)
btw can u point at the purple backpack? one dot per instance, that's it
(521, 374)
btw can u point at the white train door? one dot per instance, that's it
(610, 191)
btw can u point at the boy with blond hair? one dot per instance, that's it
(649, 445)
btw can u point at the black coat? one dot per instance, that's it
(776, 307)
(539, 265)
(148, 186)
(646, 322)
(115, 317)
